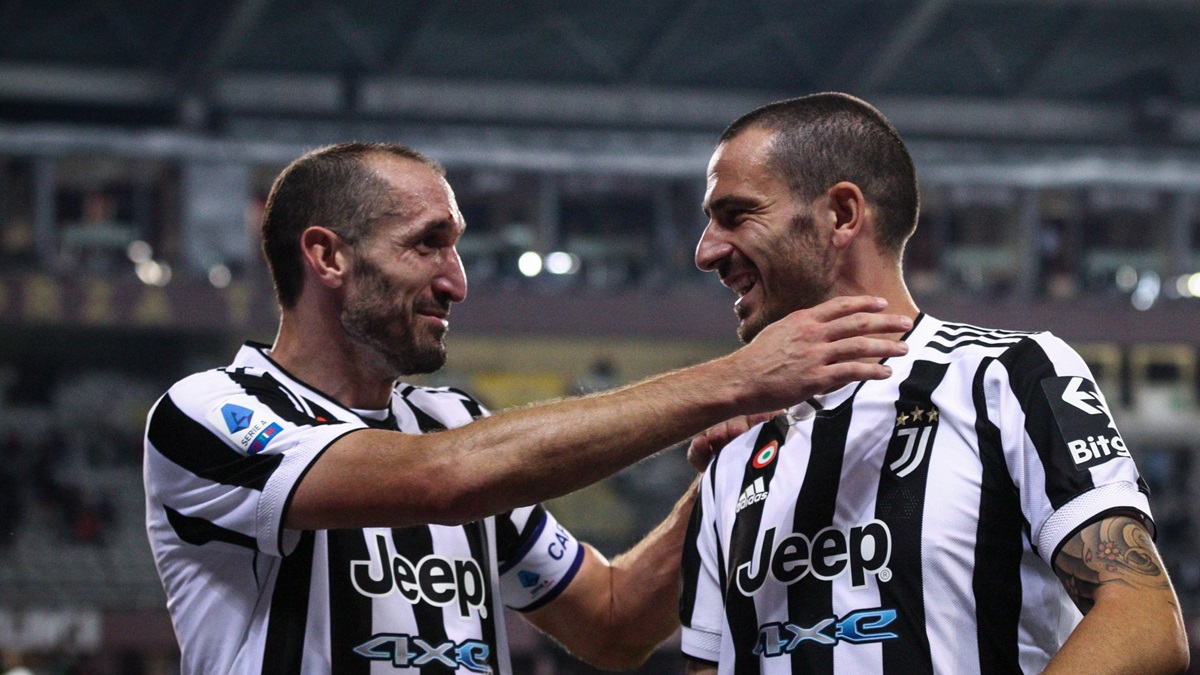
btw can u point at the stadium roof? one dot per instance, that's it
(1063, 70)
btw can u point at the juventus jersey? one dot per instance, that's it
(225, 451)
(908, 525)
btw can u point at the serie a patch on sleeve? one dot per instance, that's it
(249, 425)
(1084, 420)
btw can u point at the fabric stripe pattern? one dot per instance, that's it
(909, 525)
(224, 452)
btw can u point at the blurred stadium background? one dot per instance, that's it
(1057, 142)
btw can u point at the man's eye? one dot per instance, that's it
(430, 244)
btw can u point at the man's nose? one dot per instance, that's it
(711, 249)
(452, 279)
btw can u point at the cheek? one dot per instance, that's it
(382, 290)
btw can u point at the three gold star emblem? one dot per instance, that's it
(917, 416)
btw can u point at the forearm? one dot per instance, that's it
(1126, 632)
(380, 478)
(536, 454)
(645, 607)
(614, 614)
(1132, 621)
(515, 458)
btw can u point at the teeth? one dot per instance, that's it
(740, 282)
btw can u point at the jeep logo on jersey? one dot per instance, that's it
(1084, 421)
(860, 550)
(434, 579)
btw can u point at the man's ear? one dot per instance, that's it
(849, 208)
(325, 254)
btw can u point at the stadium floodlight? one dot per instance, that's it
(1193, 285)
(153, 273)
(1127, 278)
(530, 263)
(139, 251)
(1146, 293)
(561, 262)
(219, 276)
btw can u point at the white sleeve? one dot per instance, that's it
(1063, 450)
(538, 558)
(224, 463)
(701, 602)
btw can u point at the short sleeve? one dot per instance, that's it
(225, 452)
(701, 605)
(1062, 446)
(538, 557)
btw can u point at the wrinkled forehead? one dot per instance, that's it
(741, 162)
(752, 146)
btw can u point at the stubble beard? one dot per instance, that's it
(750, 324)
(371, 318)
(808, 286)
(753, 323)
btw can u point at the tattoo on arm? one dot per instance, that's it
(1115, 550)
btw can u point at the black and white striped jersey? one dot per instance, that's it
(908, 525)
(225, 451)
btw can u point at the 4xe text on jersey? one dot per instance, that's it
(471, 655)
(867, 625)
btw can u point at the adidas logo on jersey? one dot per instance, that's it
(754, 493)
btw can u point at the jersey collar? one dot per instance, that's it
(923, 329)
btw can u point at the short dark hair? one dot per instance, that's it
(822, 139)
(334, 187)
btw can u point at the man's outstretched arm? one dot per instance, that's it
(614, 614)
(381, 478)
(1132, 621)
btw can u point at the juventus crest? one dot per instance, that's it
(911, 438)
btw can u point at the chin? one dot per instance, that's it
(417, 364)
(747, 331)
(424, 361)
(754, 323)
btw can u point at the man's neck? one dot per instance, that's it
(881, 276)
(325, 358)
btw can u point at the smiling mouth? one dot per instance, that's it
(740, 283)
(431, 307)
(434, 313)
